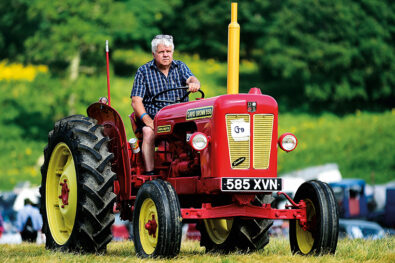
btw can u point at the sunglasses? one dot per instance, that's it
(164, 36)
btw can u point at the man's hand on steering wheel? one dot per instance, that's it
(193, 86)
(156, 101)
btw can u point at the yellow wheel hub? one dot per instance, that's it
(305, 238)
(148, 226)
(61, 193)
(218, 229)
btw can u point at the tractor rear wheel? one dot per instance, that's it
(77, 187)
(322, 221)
(228, 235)
(157, 220)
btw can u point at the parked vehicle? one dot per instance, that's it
(351, 198)
(7, 200)
(389, 209)
(354, 228)
(354, 202)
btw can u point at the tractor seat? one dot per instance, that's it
(137, 132)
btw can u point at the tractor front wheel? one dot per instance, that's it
(77, 187)
(157, 220)
(321, 234)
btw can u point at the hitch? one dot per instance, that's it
(295, 205)
(302, 206)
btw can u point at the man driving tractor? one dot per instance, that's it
(160, 74)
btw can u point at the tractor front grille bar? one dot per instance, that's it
(263, 131)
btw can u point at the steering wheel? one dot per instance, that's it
(156, 101)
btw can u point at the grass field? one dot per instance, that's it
(277, 251)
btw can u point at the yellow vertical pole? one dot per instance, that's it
(233, 52)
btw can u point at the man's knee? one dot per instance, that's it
(148, 134)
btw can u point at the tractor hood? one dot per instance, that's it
(206, 109)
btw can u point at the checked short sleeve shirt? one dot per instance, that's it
(150, 81)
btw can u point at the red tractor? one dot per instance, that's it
(216, 163)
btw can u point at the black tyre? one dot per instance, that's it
(157, 220)
(334, 214)
(322, 221)
(77, 187)
(228, 235)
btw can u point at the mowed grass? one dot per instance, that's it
(277, 251)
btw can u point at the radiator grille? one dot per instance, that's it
(239, 150)
(263, 130)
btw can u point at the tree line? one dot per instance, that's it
(314, 54)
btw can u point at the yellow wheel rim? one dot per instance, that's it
(305, 238)
(218, 229)
(61, 193)
(148, 226)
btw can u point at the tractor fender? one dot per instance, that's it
(119, 146)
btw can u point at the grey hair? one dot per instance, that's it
(164, 41)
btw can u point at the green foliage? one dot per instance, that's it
(200, 27)
(15, 28)
(76, 29)
(146, 15)
(68, 29)
(313, 55)
(28, 112)
(359, 143)
(336, 52)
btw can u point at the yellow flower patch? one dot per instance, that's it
(16, 71)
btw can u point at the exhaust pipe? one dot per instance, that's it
(233, 52)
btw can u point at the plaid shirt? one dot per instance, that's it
(149, 81)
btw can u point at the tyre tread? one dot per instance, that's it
(169, 235)
(327, 218)
(92, 228)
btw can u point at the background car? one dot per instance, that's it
(353, 228)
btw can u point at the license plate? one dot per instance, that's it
(232, 184)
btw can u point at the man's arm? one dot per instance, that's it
(138, 107)
(193, 84)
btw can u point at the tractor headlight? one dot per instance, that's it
(199, 141)
(288, 142)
